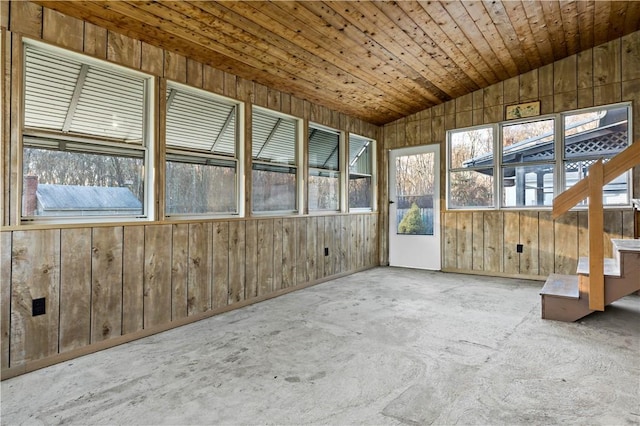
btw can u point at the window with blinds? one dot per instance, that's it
(201, 145)
(274, 162)
(84, 137)
(361, 154)
(324, 168)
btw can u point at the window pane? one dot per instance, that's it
(68, 183)
(200, 123)
(324, 149)
(274, 138)
(324, 190)
(274, 188)
(65, 95)
(527, 186)
(615, 192)
(360, 155)
(471, 188)
(360, 172)
(596, 134)
(471, 148)
(200, 188)
(415, 180)
(359, 191)
(526, 142)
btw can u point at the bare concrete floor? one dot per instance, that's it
(385, 346)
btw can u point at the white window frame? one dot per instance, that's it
(561, 181)
(238, 157)
(374, 181)
(147, 147)
(298, 165)
(495, 186)
(559, 160)
(502, 164)
(339, 171)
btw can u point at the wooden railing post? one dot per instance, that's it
(591, 186)
(596, 237)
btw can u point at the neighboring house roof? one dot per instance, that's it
(608, 138)
(75, 197)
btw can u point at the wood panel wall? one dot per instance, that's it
(104, 282)
(485, 241)
(107, 284)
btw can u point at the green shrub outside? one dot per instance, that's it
(412, 222)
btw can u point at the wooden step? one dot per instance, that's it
(561, 299)
(566, 286)
(611, 267)
(626, 245)
(629, 250)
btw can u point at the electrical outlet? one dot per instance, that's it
(519, 248)
(38, 307)
(326, 251)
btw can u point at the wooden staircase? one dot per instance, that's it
(566, 297)
(599, 281)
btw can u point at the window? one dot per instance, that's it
(85, 147)
(274, 169)
(528, 159)
(361, 161)
(201, 140)
(593, 134)
(471, 168)
(535, 160)
(324, 168)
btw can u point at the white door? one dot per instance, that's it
(414, 209)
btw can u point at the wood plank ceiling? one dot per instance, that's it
(378, 61)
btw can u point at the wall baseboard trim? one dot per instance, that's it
(495, 274)
(34, 365)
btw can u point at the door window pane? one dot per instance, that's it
(414, 192)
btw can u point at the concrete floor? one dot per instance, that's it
(385, 346)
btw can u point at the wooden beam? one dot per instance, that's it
(596, 237)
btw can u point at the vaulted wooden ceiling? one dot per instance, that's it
(376, 60)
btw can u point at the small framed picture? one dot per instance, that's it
(529, 109)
